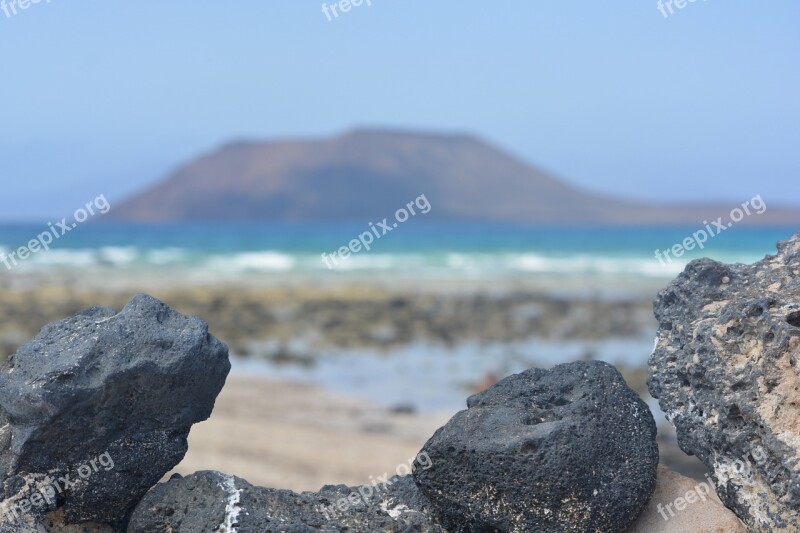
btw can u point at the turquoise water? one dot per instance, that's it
(427, 376)
(419, 245)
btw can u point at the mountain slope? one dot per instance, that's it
(366, 175)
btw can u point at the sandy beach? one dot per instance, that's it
(296, 436)
(333, 383)
(301, 437)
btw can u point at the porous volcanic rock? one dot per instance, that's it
(570, 449)
(97, 408)
(211, 501)
(725, 371)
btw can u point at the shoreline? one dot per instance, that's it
(422, 348)
(358, 316)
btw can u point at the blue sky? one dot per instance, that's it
(106, 97)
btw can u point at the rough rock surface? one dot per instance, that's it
(725, 370)
(699, 512)
(569, 449)
(106, 399)
(211, 501)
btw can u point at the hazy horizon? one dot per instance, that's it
(703, 108)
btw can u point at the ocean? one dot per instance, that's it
(417, 249)
(570, 263)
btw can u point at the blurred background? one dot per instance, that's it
(528, 177)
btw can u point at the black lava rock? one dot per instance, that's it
(97, 408)
(571, 449)
(725, 371)
(211, 501)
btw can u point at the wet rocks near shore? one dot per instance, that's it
(357, 317)
(726, 371)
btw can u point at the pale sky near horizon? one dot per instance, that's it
(107, 97)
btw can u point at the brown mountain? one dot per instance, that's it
(368, 174)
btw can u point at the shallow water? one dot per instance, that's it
(433, 377)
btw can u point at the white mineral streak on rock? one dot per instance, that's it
(394, 512)
(229, 525)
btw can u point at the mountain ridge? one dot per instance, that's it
(367, 173)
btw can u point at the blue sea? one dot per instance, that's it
(418, 248)
(425, 375)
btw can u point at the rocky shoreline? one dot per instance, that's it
(100, 345)
(291, 325)
(97, 407)
(350, 317)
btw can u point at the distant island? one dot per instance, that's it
(368, 174)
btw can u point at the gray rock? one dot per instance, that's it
(96, 408)
(566, 450)
(725, 371)
(211, 501)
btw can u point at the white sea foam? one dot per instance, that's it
(255, 261)
(167, 256)
(452, 264)
(63, 257)
(383, 262)
(594, 265)
(118, 255)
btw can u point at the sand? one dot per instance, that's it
(704, 515)
(300, 437)
(292, 324)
